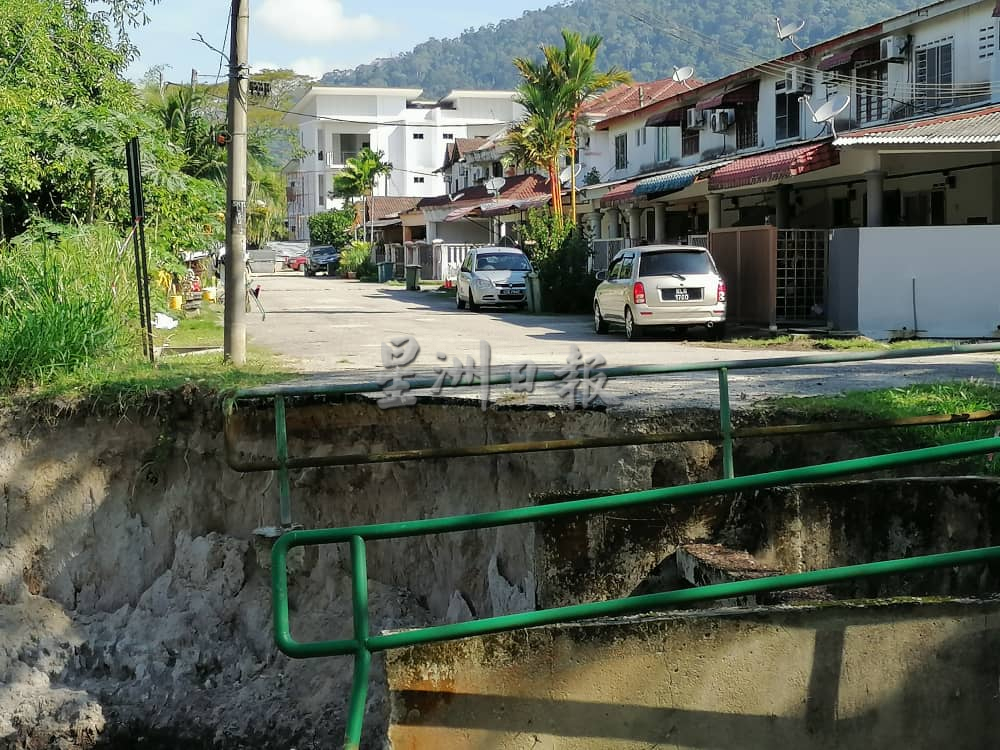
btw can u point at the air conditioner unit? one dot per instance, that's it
(695, 119)
(892, 47)
(722, 119)
(797, 82)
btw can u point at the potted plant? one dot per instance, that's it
(354, 257)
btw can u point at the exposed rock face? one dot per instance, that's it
(135, 597)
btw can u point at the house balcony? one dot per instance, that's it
(338, 159)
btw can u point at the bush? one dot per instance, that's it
(332, 227)
(355, 255)
(559, 252)
(67, 300)
(367, 271)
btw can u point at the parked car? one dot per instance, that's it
(325, 258)
(493, 276)
(296, 263)
(661, 285)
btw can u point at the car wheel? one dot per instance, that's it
(306, 271)
(459, 302)
(473, 307)
(632, 331)
(600, 324)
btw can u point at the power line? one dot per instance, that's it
(779, 68)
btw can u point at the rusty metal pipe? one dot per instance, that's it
(240, 463)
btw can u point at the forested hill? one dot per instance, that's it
(715, 36)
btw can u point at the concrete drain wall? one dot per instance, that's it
(899, 677)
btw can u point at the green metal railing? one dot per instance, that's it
(363, 644)
(725, 435)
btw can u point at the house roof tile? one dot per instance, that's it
(521, 187)
(981, 125)
(629, 97)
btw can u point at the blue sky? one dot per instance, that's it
(310, 36)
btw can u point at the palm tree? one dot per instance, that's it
(359, 176)
(579, 61)
(553, 92)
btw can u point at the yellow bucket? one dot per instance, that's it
(208, 294)
(175, 302)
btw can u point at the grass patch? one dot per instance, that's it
(203, 328)
(793, 342)
(132, 383)
(915, 400)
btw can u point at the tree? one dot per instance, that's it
(552, 92)
(331, 227)
(359, 177)
(579, 68)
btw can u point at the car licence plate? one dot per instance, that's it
(680, 295)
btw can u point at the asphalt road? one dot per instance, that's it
(334, 329)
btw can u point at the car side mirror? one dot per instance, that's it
(601, 275)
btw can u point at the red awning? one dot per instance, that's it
(619, 193)
(740, 95)
(773, 166)
(836, 60)
(663, 119)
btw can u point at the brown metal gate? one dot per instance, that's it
(746, 259)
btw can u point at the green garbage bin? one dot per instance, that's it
(413, 278)
(385, 271)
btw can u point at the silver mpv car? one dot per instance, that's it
(661, 285)
(493, 276)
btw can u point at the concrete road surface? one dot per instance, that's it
(333, 330)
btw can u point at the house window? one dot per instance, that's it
(934, 75)
(448, 136)
(662, 146)
(873, 104)
(418, 180)
(690, 138)
(987, 41)
(321, 189)
(640, 137)
(418, 136)
(621, 151)
(786, 113)
(497, 169)
(746, 125)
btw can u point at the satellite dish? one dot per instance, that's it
(829, 110)
(569, 173)
(681, 75)
(495, 185)
(787, 31)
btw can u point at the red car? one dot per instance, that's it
(296, 263)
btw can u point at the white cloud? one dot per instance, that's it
(316, 21)
(314, 67)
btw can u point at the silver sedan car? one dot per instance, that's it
(661, 285)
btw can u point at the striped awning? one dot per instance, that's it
(677, 179)
(774, 166)
(620, 193)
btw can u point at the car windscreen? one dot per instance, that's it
(684, 262)
(502, 262)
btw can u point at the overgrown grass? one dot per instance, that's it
(793, 342)
(915, 400)
(65, 301)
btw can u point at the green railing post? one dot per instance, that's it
(281, 444)
(362, 656)
(726, 425)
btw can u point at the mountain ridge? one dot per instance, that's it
(645, 37)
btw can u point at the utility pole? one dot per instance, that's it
(235, 331)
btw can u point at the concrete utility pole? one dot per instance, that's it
(235, 333)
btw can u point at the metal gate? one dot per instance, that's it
(801, 269)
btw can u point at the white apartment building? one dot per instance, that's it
(335, 123)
